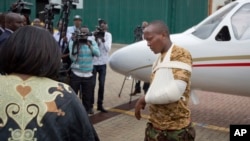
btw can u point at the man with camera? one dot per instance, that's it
(82, 50)
(104, 41)
(138, 33)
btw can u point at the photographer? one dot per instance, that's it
(82, 52)
(138, 33)
(104, 40)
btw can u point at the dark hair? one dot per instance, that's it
(27, 19)
(101, 21)
(160, 26)
(32, 51)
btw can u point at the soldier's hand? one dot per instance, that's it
(140, 105)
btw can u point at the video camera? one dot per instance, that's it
(81, 37)
(47, 15)
(99, 33)
(20, 7)
(72, 6)
(138, 31)
(49, 11)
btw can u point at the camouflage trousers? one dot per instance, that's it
(185, 134)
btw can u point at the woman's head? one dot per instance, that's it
(32, 51)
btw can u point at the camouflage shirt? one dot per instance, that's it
(174, 116)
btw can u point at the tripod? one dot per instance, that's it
(126, 78)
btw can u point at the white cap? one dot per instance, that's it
(77, 17)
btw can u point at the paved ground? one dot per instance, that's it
(212, 116)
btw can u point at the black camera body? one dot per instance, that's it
(49, 12)
(81, 37)
(99, 33)
(138, 31)
(51, 8)
(21, 7)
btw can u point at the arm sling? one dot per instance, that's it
(164, 88)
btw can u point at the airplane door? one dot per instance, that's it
(240, 22)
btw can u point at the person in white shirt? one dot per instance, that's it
(77, 24)
(104, 41)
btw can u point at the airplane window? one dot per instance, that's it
(241, 23)
(204, 30)
(246, 34)
(223, 35)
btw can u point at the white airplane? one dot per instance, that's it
(220, 47)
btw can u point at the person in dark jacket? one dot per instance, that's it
(12, 22)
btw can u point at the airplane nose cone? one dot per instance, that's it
(119, 62)
(135, 60)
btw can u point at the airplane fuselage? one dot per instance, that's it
(220, 48)
(220, 68)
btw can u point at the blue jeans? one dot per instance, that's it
(84, 86)
(101, 70)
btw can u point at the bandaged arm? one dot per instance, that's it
(165, 89)
(168, 96)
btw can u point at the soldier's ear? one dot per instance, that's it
(163, 34)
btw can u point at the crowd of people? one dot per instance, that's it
(32, 58)
(38, 106)
(81, 68)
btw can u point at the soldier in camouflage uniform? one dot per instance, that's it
(169, 90)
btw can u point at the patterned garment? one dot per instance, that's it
(174, 116)
(185, 134)
(40, 109)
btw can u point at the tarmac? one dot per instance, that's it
(212, 117)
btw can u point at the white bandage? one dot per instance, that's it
(164, 89)
(173, 64)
